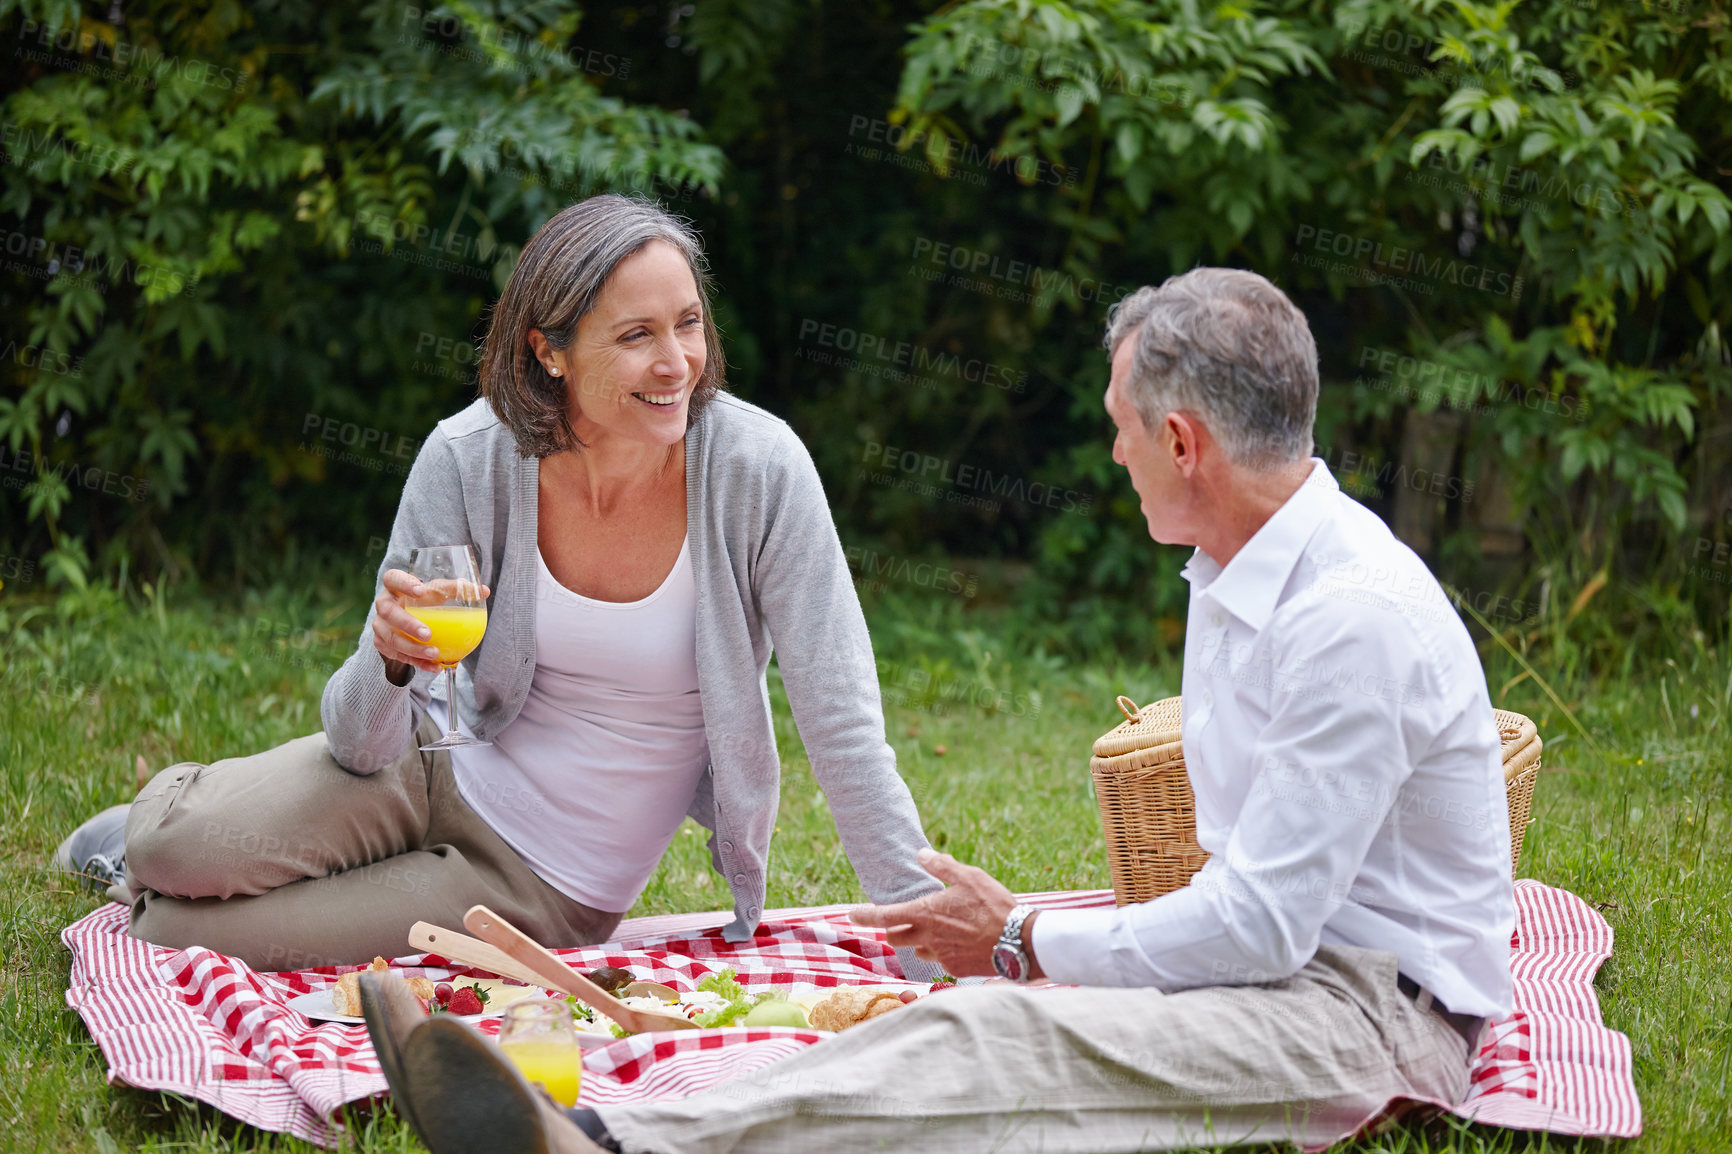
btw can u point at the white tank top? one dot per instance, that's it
(591, 779)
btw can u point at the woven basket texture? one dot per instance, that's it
(1148, 813)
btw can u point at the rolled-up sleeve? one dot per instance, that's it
(1324, 773)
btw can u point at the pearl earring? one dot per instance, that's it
(555, 372)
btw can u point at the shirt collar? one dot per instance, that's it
(1251, 582)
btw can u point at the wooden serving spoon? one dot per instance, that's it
(432, 939)
(552, 971)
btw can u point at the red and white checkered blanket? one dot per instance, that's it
(202, 1024)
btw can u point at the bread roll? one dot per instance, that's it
(882, 1006)
(851, 1005)
(346, 994)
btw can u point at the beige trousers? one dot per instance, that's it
(1080, 1071)
(287, 860)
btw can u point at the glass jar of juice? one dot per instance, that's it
(539, 1039)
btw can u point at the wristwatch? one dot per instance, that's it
(1008, 956)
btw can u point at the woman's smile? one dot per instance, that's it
(660, 400)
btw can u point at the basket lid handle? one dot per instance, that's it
(1129, 708)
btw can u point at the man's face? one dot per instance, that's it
(1147, 455)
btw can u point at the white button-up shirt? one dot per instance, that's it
(1347, 769)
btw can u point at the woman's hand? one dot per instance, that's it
(400, 639)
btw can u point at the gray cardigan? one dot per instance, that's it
(768, 564)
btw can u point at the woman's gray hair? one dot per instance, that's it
(558, 277)
(1228, 345)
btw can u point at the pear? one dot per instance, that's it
(776, 1012)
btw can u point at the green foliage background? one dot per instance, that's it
(237, 226)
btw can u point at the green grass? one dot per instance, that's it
(1636, 825)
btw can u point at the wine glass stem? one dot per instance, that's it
(451, 697)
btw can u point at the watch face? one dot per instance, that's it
(1008, 962)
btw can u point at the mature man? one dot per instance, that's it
(1338, 953)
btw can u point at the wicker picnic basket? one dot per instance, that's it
(1148, 813)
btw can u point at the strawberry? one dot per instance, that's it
(465, 1001)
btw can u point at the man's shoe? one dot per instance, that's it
(392, 1013)
(465, 1095)
(96, 850)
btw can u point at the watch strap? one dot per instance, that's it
(1010, 943)
(1011, 935)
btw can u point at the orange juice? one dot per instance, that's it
(555, 1063)
(457, 629)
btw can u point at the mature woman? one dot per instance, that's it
(644, 539)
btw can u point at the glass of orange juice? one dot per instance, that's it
(455, 614)
(539, 1039)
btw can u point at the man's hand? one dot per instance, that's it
(957, 927)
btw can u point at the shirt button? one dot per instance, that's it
(751, 911)
(728, 846)
(739, 879)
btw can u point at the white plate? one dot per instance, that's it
(319, 1007)
(322, 1007)
(589, 1041)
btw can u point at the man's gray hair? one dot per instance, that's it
(1227, 345)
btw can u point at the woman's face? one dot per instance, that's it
(639, 353)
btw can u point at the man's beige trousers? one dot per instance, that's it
(286, 860)
(1002, 1068)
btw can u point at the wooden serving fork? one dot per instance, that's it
(551, 971)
